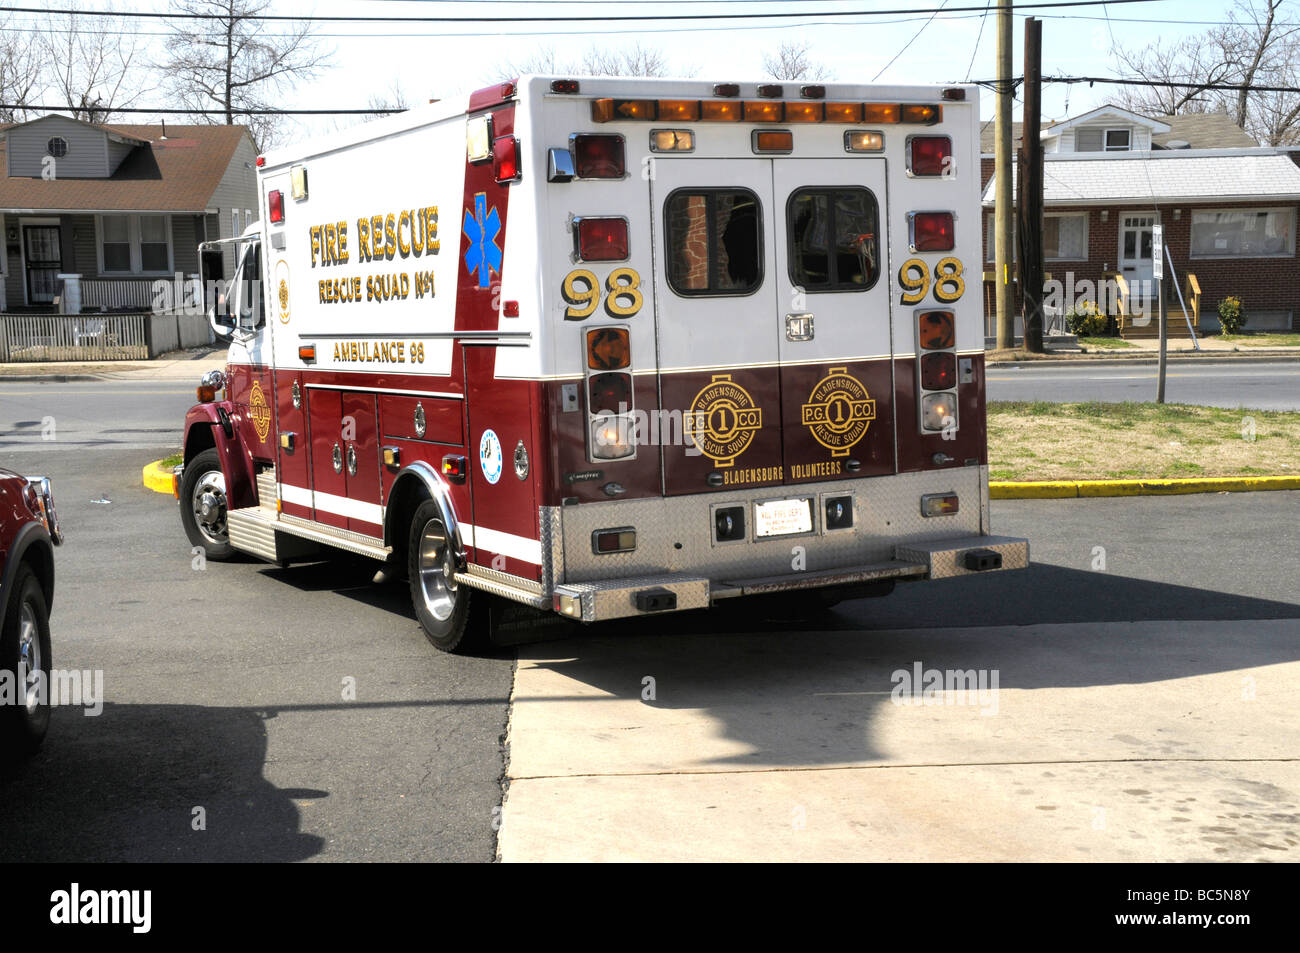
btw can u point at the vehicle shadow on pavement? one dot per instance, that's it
(807, 693)
(125, 786)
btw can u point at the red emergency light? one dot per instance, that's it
(932, 231)
(938, 370)
(599, 156)
(275, 201)
(929, 155)
(602, 239)
(506, 166)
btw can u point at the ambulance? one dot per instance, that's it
(610, 347)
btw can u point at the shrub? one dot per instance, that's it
(1231, 317)
(1085, 320)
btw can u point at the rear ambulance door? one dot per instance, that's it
(718, 346)
(831, 279)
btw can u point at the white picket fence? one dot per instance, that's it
(57, 337)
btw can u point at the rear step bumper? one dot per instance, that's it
(651, 595)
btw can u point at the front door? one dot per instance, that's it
(44, 261)
(1135, 246)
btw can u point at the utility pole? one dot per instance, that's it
(1002, 212)
(1158, 272)
(1029, 199)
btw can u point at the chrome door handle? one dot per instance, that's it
(799, 326)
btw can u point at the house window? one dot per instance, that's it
(1088, 140)
(115, 235)
(134, 244)
(1065, 237)
(713, 242)
(1243, 233)
(57, 147)
(1117, 140)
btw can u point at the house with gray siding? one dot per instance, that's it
(119, 207)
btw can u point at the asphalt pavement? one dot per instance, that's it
(1244, 384)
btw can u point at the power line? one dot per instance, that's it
(113, 110)
(912, 40)
(979, 36)
(557, 18)
(1166, 84)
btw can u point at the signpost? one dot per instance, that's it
(1158, 272)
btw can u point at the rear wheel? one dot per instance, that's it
(203, 505)
(441, 605)
(25, 658)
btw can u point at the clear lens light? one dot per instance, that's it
(611, 437)
(938, 411)
(864, 141)
(673, 140)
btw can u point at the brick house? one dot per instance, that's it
(1228, 208)
(119, 206)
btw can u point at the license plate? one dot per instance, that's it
(783, 517)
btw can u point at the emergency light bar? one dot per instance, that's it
(712, 110)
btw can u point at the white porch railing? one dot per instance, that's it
(115, 293)
(54, 337)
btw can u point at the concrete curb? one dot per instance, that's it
(1069, 489)
(158, 478)
(1152, 360)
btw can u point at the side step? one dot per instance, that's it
(262, 532)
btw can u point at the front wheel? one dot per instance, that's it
(203, 505)
(442, 606)
(25, 660)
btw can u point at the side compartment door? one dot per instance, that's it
(715, 308)
(328, 484)
(361, 462)
(832, 275)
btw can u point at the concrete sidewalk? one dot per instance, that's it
(175, 365)
(1102, 741)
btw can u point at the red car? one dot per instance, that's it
(29, 531)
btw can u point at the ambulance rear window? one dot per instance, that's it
(713, 242)
(833, 239)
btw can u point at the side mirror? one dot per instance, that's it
(215, 292)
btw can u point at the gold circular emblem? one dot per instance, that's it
(838, 412)
(282, 290)
(722, 420)
(259, 411)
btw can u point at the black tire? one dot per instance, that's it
(26, 639)
(441, 605)
(203, 505)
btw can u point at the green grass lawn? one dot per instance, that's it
(1261, 339)
(1104, 344)
(1040, 440)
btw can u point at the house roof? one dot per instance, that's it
(1200, 130)
(1155, 125)
(176, 174)
(1223, 175)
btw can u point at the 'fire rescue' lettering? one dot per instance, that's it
(405, 234)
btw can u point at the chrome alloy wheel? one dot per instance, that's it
(29, 658)
(208, 501)
(437, 571)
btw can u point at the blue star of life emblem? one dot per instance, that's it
(482, 228)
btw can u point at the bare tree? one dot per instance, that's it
(393, 100)
(234, 61)
(636, 60)
(1254, 48)
(20, 75)
(93, 65)
(791, 62)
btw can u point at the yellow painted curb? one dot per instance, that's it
(1060, 489)
(158, 478)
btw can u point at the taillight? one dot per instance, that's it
(601, 239)
(938, 370)
(567, 86)
(598, 156)
(935, 330)
(609, 393)
(931, 231)
(621, 540)
(608, 349)
(505, 159)
(929, 155)
(275, 202)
